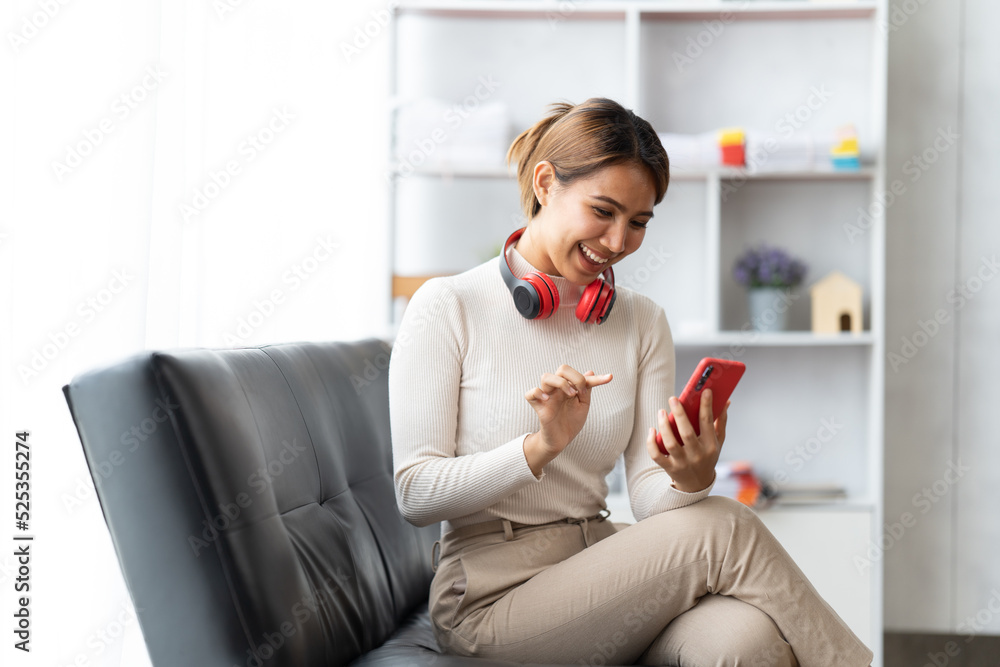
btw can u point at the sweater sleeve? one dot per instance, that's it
(425, 373)
(649, 486)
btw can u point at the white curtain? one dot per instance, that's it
(175, 173)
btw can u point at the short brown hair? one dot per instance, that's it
(580, 139)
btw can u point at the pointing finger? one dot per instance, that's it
(595, 380)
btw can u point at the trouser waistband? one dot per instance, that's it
(507, 527)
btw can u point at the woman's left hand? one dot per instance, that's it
(690, 464)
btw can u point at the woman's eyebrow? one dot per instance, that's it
(619, 206)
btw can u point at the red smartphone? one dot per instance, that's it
(719, 375)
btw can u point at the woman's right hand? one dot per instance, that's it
(561, 401)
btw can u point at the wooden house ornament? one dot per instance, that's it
(836, 304)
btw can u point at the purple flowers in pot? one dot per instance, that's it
(768, 266)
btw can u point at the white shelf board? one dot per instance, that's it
(654, 9)
(848, 505)
(618, 504)
(460, 171)
(773, 339)
(726, 173)
(734, 173)
(581, 9)
(782, 9)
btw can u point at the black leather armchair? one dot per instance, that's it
(249, 497)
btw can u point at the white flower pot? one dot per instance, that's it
(768, 308)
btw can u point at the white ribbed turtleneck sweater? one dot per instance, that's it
(461, 363)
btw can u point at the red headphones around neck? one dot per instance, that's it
(536, 296)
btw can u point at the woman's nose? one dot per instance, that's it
(614, 238)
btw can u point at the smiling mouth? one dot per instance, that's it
(590, 259)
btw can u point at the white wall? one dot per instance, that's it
(225, 66)
(942, 394)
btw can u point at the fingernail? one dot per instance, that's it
(545, 395)
(673, 401)
(663, 413)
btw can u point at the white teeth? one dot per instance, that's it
(591, 255)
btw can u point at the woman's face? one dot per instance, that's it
(606, 214)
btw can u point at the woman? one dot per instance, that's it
(510, 403)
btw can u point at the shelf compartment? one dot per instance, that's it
(446, 56)
(800, 414)
(669, 265)
(446, 226)
(766, 75)
(809, 219)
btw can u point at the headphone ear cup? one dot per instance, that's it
(548, 294)
(595, 302)
(610, 301)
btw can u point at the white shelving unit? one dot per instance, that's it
(810, 407)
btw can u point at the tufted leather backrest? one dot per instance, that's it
(249, 498)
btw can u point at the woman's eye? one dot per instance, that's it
(608, 214)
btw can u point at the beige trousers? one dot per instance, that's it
(702, 585)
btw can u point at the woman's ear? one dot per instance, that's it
(543, 181)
